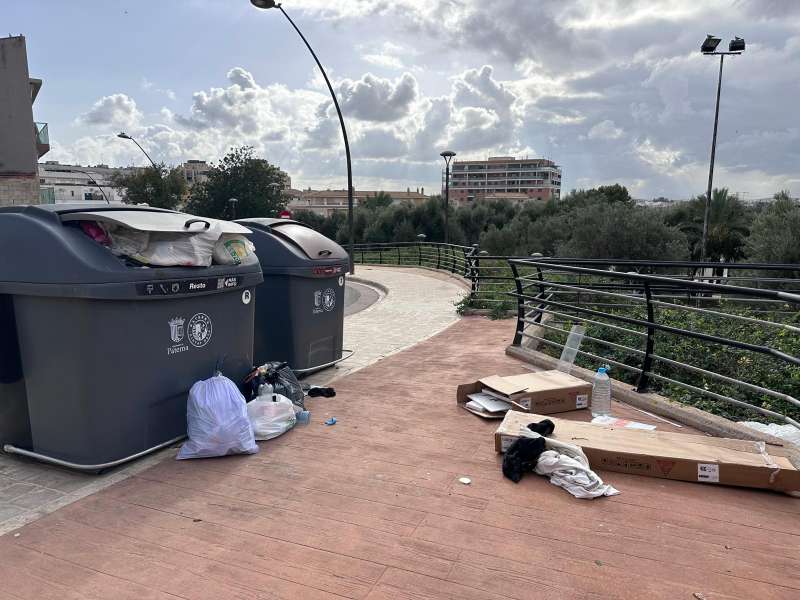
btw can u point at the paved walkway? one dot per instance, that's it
(372, 508)
(419, 304)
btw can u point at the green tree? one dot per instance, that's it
(622, 232)
(159, 186)
(379, 200)
(775, 236)
(728, 225)
(254, 182)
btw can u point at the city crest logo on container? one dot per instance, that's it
(200, 330)
(176, 331)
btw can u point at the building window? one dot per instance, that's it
(72, 192)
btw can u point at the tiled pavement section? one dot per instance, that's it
(420, 303)
(372, 509)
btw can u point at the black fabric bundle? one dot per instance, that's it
(522, 455)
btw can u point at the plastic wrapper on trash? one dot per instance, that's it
(216, 421)
(234, 249)
(180, 249)
(271, 415)
(96, 231)
(127, 242)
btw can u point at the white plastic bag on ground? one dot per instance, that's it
(271, 415)
(234, 249)
(216, 421)
(787, 432)
(180, 249)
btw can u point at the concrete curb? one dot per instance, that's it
(363, 281)
(467, 285)
(655, 403)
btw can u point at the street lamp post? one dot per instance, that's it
(125, 136)
(232, 204)
(709, 48)
(92, 180)
(447, 155)
(266, 4)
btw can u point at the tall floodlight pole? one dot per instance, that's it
(266, 4)
(447, 155)
(708, 48)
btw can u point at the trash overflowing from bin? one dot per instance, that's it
(100, 352)
(185, 240)
(275, 377)
(217, 421)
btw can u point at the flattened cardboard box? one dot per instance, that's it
(543, 392)
(670, 455)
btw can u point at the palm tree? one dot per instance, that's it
(729, 222)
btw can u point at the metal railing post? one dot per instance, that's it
(419, 249)
(438, 256)
(647, 362)
(380, 255)
(540, 276)
(453, 266)
(399, 260)
(520, 306)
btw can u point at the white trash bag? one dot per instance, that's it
(193, 249)
(216, 421)
(271, 415)
(234, 249)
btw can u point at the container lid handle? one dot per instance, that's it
(192, 221)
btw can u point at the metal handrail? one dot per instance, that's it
(575, 302)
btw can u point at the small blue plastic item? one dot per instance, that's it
(303, 417)
(331, 421)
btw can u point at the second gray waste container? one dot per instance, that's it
(300, 306)
(97, 354)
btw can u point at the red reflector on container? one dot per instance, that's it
(322, 271)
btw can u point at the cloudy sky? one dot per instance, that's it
(613, 90)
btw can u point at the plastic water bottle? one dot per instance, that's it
(601, 393)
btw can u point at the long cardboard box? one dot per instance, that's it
(543, 392)
(670, 455)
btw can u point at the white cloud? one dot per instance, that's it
(116, 110)
(605, 130)
(373, 98)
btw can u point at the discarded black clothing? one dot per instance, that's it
(543, 428)
(522, 456)
(327, 392)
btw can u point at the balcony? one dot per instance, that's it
(42, 138)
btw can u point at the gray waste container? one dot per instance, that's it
(97, 354)
(300, 307)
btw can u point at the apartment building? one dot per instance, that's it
(23, 141)
(325, 202)
(506, 177)
(61, 183)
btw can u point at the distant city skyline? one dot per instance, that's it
(613, 91)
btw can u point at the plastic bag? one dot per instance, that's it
(285, 382)
(180, 249)
(216, 421)
(234, 249)
(127, 242)
(270, 416)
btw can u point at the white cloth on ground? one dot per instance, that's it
(568, 468)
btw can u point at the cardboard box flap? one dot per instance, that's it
(545, 381)
(503, 385)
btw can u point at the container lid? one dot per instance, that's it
(311, 243)
(145, 220)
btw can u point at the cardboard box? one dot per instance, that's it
(545, 392)
(670, 455)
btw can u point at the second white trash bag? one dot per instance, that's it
(271, 415)
(216, 421)
(234, 249)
